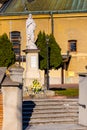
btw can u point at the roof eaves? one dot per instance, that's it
(43, 12)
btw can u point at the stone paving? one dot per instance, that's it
(57, 127)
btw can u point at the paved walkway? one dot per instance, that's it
(57, 127)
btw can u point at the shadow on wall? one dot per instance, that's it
(27, 111)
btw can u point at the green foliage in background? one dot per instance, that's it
(69, 92)
(7, 56)
(55, 57)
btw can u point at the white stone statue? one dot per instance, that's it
(30, 28)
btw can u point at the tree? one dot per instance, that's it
(55, 57)
(54, 52)
(7, 55)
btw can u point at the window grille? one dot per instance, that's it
(72, 45)
(15, 39)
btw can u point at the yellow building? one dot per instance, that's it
(66, 19)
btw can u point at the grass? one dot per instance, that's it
(69, 92)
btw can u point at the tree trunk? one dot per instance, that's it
(46, 79)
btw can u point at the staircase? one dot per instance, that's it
(42, 111)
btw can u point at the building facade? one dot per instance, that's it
(66, 19)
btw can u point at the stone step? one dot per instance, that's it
(40, 119)
(53, 99)
(34, 103)
(57, 126)
(50, 101)
(48, 112)
(50, 108)
(37, 108)
(50, 120)
(52, 114)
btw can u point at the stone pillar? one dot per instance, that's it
(83, 99)
(12, 108)
(32, 66)
(12, 100)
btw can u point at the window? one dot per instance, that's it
(15, 39)
(72, 45)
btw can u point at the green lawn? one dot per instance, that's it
(69, 92)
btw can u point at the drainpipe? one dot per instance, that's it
(62, 74)
(52, 23)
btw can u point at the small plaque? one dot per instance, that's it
(33, 62)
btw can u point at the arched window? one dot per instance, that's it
(15, 37)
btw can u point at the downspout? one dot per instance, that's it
(52, 23)
(62, 74)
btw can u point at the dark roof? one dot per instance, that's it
(44, 6)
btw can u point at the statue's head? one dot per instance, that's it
(30, 16)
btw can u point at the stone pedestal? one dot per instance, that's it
(32, 69)
(83, 99)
